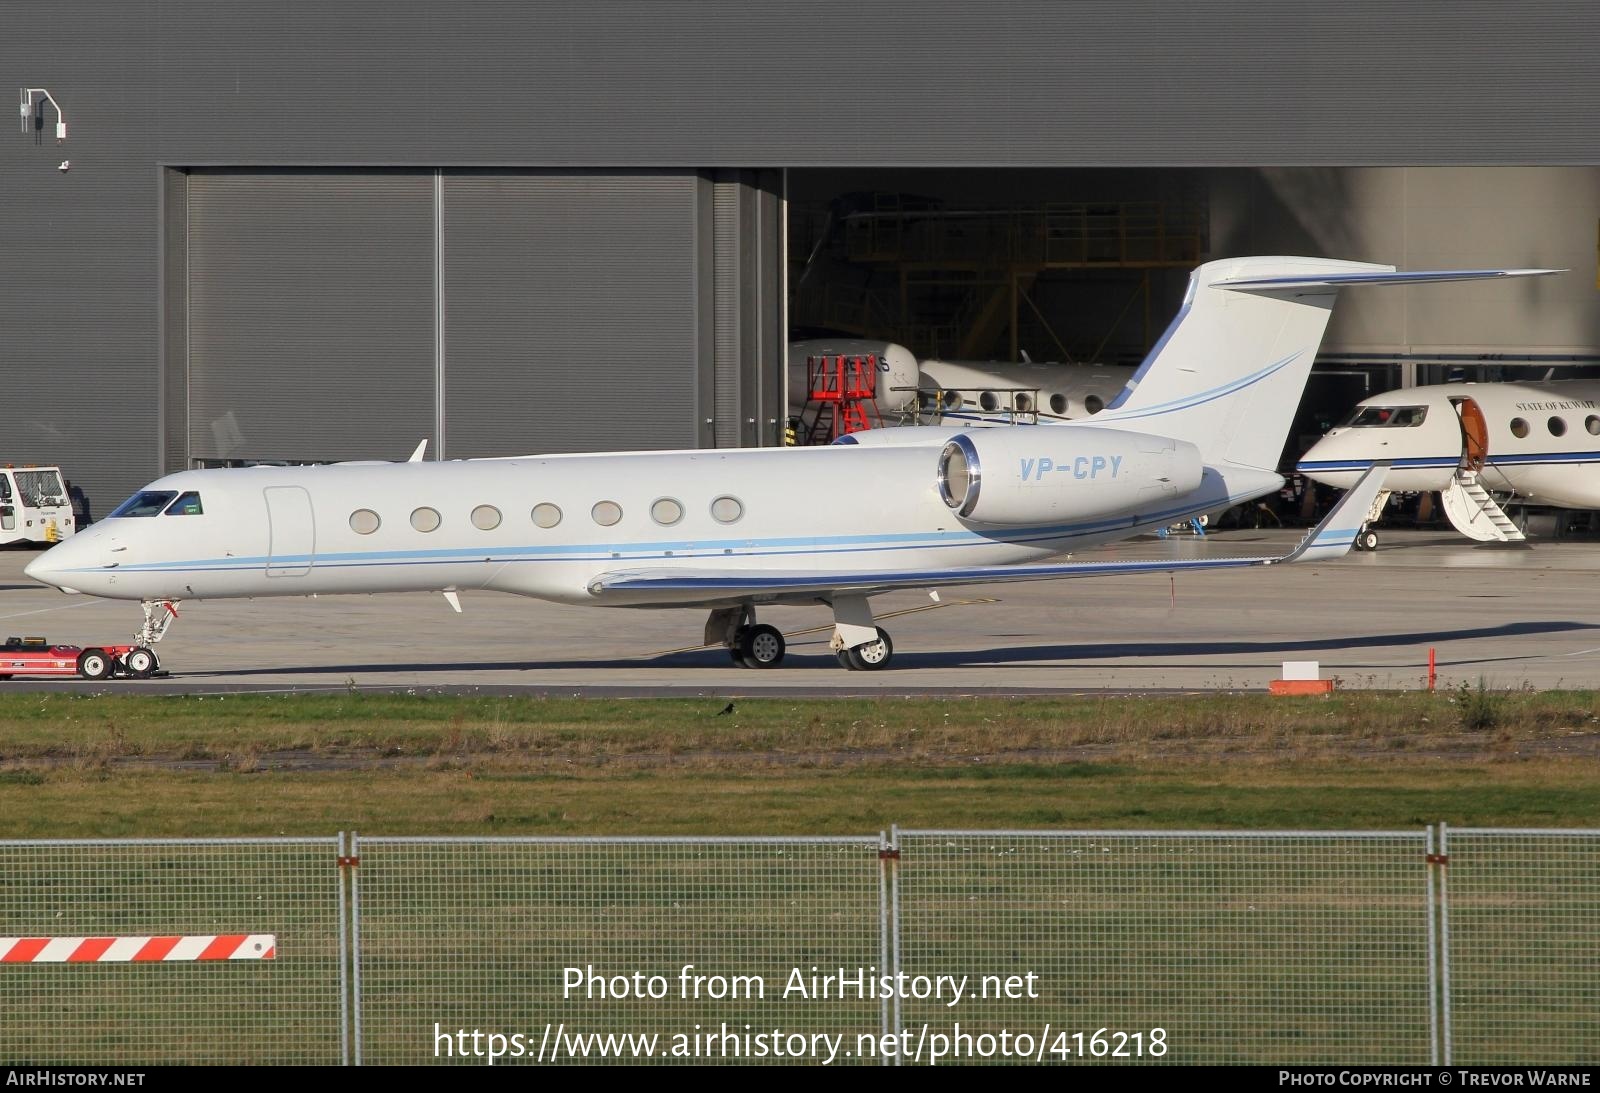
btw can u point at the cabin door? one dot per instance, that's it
(291, 534)
(1474, 434)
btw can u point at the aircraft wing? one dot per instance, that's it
(1328, 540)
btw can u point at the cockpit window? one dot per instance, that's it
(145, 503)
(186, 505)
(1385, 417)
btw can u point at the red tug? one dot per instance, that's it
(37, 657)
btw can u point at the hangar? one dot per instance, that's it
(313, 231)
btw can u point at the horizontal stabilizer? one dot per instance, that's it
(1330, 539)
(1392, 277)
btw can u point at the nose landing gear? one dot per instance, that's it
(158, 615)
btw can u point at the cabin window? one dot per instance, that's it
(1557, 426)
(727, 510)
(364, 521)
(606, 513)
(187, 504)
(1058, 404)
(1592, 423)
(1519, 428)
(1094, 404)
(666, 511)
(546, 515)
(425, 519)
(485, 517)
(145, 503)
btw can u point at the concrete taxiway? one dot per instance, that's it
(1512, 616)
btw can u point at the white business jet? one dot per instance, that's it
(1199, 427)
(1537, 442)
(996, 392)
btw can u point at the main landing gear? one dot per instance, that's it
(858, 644)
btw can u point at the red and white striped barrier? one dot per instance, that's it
(136, 950)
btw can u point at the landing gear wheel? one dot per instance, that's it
(140, 663)
(94, 664)
(1367, 540)
(869, 656)
(759, 647)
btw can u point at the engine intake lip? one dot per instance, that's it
(967, 500)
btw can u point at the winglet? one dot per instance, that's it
(1337, 533)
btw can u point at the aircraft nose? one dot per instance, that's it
(50, 568)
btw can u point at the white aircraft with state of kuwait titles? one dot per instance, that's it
(1538, 442)
(1199, 427)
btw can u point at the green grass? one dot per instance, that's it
(398, 764)
(474, 935)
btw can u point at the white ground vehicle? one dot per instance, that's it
(34, 506)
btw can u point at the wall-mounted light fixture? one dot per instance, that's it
(30, 95)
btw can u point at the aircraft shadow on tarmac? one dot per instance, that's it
(1018, 655)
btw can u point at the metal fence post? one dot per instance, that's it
(355, 940)
(1429, 864)
(1444, 939)
(894, 928)
(344, 961)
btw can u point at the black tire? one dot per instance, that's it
(139, 663)
(873, 656)
(761, 647)
(1367, 540)
(94, 664)
(845, 662)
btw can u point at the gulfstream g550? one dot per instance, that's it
(1200, 426)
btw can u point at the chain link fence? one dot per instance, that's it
(1522, 945)
(1240, 947)
(159, 951)
(554, 940)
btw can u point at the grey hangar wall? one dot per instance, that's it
(492, 190)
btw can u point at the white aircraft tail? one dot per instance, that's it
(1228, 374)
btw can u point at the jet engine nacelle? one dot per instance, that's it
(1043, 473)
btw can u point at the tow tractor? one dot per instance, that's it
(37, 657)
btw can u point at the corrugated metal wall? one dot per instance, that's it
(570, 312)
(691, 84)
(310, 314)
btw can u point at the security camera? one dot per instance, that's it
(66, 165)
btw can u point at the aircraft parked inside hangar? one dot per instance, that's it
(989, 392)
(1536, 442)
(1200, 426)
(944, 392)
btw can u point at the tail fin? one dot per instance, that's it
(1228, 374)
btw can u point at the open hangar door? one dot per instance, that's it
(1074, 266)
(319, 315)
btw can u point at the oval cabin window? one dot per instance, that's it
(666, 511)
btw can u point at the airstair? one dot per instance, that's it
(1475, 513)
